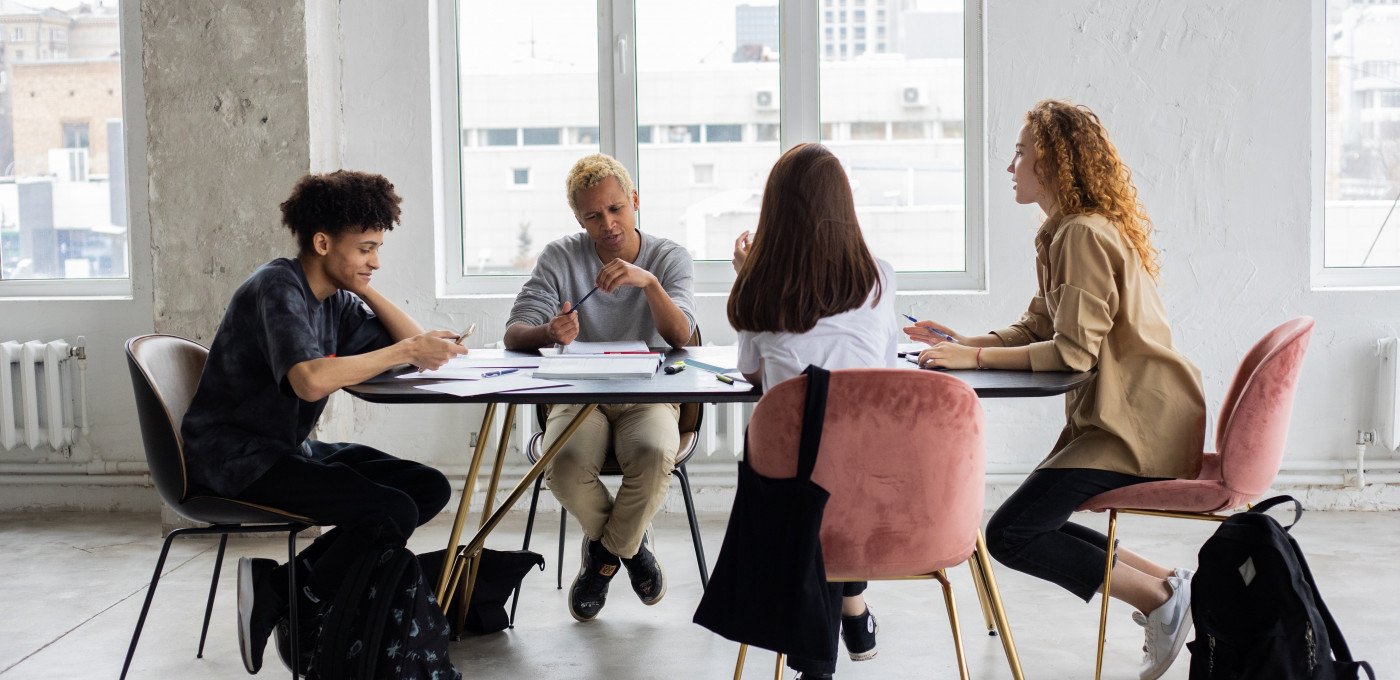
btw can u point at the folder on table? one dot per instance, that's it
(599, 367)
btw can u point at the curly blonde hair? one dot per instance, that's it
(1079, 165)
(589, 171)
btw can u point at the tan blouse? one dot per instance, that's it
(1097, 308)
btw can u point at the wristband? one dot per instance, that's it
(979, 359)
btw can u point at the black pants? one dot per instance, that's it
(835, 592)
(367, 494)
(1031, 531)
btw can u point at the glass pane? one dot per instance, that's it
(528, 77)
(892, 110)
(708, 87)
(1361, 220)
(62, 162)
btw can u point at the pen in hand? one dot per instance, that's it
(574, 308)
(935, 331)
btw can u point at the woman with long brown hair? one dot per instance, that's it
(808, 292)
(1096, 308)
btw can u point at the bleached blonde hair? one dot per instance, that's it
(589, 171)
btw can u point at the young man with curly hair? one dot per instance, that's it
(297, 330)
(644, 293)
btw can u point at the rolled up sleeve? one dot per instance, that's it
(538, 300)
(1033, 326)
(1082, 271)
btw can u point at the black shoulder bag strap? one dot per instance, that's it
(813, 417)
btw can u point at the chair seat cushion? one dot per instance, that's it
(1172, 495)
(216, 510)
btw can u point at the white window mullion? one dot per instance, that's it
(799, 73)
(974, 150)
(617, 82)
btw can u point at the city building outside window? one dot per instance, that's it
(63, 210)
(697, 111)
(1357, 240)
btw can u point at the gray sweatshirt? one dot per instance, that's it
(567, 269)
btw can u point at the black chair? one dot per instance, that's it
(690, 418)
(165, 371)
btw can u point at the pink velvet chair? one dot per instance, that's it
(1249, 438)
(902, 457)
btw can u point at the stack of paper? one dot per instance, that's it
(622, 347)
(599, 367)
(505, 383)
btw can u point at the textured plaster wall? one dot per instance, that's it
(226, 101)
(1209, 103)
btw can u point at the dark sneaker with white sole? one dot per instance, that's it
(648, 580)
(589, 592)
(859, 634)
(259, 608)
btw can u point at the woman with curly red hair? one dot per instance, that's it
(1096, 308)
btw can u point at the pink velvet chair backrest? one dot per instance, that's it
(1254, 417)
(902, 456)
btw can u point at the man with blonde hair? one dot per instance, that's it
(644, 293)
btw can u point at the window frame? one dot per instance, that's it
(1324, 277)
(799, 96)
(137, 216)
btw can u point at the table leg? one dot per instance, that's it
(479, 541)
(462, 507)
(488, 507)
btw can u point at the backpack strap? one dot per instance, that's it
(1265, 505)
(1340, 651)
(813, 417)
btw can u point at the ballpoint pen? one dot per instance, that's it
(574, 308)
(935, 331)
(492, 374)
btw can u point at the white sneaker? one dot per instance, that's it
(1183, 573)
(1166, 630)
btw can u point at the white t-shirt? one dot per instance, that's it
(864, 337)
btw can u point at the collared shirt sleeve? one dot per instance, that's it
(1084, 283)
(1033, 326)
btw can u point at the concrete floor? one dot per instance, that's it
(77, 581)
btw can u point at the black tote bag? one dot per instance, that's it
(769, 585)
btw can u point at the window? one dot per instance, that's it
(63, 211)
(520, 177)
(910, 182)
(677, 101)
(1360, 225)
(75, 135)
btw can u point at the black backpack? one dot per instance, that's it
(383, 622)
(1256, 609)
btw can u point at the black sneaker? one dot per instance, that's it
(308, 628)
(590, 589)
(259, 608)
(859, 634)
(648, 581)
(814, 676)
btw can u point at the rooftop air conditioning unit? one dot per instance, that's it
(765, 100)
(913, 97)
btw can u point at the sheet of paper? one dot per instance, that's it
(505, 383)
(450, 372)
(605, 347)
(470, 361)
(915, 347)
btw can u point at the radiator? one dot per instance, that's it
(42, 399)
(1388, 394)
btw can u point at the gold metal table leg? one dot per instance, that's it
(488, 507)
(448, 560)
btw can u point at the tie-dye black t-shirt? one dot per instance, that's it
(245, 415)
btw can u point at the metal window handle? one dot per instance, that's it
(620, 55)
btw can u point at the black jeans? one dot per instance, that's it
(1031, 531)
(835, 591)
(367, 494)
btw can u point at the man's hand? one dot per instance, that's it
(429, 351)
(620, 273)
(741, 250)
(563, 328)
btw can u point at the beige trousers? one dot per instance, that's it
(644, 437)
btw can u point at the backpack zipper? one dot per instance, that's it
(1312, 647)
(1210, 660)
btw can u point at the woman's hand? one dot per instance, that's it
(932, 333)
(948, 355)
(741, 250)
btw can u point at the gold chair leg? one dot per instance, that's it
(1008, 643)
(979, 584)
(952, 607)
(778, 667)
(1107, 581)
(739, 665)
(462, 507)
